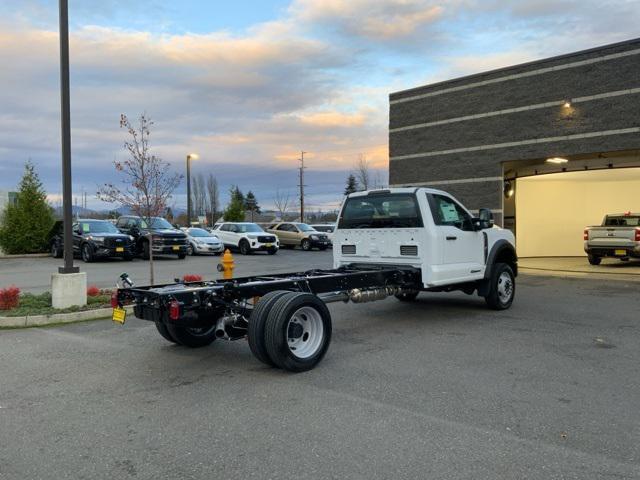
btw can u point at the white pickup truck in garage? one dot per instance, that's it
(618, 236)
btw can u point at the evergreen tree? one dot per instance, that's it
(251, 202)
(352, 185)
(25, 226)
(235, 209)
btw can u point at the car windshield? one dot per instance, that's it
(249, 228)
(305, 228)
(199, 232)
(622, 221)
(391, 210)
(98, 227)
(158, 223)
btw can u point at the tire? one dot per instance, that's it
(182, 256)
(191, 250)
(145, 250)
(272, 251)
(408, 296)
(593, 260)
(55, 251)
(245, 249)
(306, 245)
(192, 337)
(257, 323)
(502, 288)
(87, 253)
(302, 348)
(164, 331)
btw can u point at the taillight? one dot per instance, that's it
(637, 234)
(586, 234)
(174, 310)
(114, 299)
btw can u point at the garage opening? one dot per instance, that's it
(552, 210)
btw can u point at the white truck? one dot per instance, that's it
(618, 237)
(395, 242)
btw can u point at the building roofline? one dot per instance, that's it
(632, 41)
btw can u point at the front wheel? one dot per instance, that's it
(306, 245)
(182, 256)
(593, 260)
(272, 251)
(245, 249)
(192, 337)
(298, 331)
(87, 253)
(502, 288)
(191, 250)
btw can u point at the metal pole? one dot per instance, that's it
(67, 213)
(188, 191)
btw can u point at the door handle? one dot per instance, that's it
(452, 238)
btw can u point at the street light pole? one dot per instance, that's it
(189, 157)
(189, 191)
(66, 140)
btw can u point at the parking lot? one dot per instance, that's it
(439, 388)
(34, 274)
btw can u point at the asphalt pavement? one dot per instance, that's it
(442, 388)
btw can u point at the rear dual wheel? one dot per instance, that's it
(291, 330)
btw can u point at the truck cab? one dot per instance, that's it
(423, 228)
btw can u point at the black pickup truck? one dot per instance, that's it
(167, 240)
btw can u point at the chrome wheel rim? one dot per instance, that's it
(505, 287)
(305, 332)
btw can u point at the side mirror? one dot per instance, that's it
(486, 218)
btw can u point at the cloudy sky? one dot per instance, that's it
(248, 84)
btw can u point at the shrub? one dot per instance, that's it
(9, 297)
(93, 291)
(192, 278)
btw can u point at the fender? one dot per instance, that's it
(501, 247)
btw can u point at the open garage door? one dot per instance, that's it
(552, 210)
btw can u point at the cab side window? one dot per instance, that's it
(285, 227)
(122, 222)
(446, 211)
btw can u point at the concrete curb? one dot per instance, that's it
(56, 318)
(25, 255)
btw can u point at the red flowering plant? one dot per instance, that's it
(9, 297)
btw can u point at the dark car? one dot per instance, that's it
(93, 239)
(167, 240)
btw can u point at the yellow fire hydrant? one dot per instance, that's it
(227, 265)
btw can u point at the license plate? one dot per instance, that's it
(268, 245)
(119, 249)
(176, 247)
(119, 315)
(620, 253)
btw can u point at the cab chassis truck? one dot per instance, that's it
(394, 242)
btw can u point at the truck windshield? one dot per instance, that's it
(393, 210)
(158, 223)
(98, 227)
(622, 221)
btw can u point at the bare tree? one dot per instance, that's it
(148, 182)
(199, 195)
(282, 202)
(363, 173)
(214, 198)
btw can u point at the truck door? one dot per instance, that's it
(462, 246)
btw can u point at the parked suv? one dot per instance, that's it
(247, 237)
(93, 239)
(327, 229)
(293, 234)
(167, 240)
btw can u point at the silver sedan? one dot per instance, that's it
(201, 241)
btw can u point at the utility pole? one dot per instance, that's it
(302, 185)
